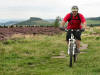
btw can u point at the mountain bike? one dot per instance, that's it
(72, 46)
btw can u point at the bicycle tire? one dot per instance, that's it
(71, 55)
(75, 56)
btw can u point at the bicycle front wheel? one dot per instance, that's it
(75, 55)
(71, 55)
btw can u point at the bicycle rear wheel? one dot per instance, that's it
(75, 57)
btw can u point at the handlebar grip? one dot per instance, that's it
(66, 30)
(83, 30)
(62, 28)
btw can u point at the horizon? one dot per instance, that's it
(35, 17)
(38, 17)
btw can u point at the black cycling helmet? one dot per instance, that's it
(74, 8)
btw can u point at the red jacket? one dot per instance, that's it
(74, 23)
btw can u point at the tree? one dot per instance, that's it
(56, 23)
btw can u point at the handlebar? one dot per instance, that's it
(66, 30)
(80, 30)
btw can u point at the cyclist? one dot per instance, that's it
(75, 21)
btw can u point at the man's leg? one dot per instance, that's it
(68, 35)
(78, 40)
(78, 44)
(67, 42)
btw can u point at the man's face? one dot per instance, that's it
(74, 13)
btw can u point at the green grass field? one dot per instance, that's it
(33, 56)
(93, 22)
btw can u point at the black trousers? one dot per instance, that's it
(77, 35)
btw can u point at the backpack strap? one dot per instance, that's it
(71, 15)
(79, 16)
(74, 19)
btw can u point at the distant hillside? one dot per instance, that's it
(9, 23)
(94, 18)
(50, 20)
(35, 21)
(35, 18)
(95, 21)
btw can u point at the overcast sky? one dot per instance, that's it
(47, 9)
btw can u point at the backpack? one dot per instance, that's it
(74, 19)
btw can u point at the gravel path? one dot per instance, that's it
(63, 55)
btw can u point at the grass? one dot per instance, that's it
(32, 56)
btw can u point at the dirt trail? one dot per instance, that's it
(84, 46)
(63, 55)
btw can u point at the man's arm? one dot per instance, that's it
(65, 20)
(84, 25)
(83, 21)
(62, 24)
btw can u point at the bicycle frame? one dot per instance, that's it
(72, 40)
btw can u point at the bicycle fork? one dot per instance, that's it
(74, 46)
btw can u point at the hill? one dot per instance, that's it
(35, 21)
(9, 23)
(95, 21)
(94, 18)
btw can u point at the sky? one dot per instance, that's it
(46, 9)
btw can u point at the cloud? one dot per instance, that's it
(47, 8)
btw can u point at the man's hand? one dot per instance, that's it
(62, 28)
(83, 29)
(84, 26)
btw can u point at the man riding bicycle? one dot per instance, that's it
(75, 21)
